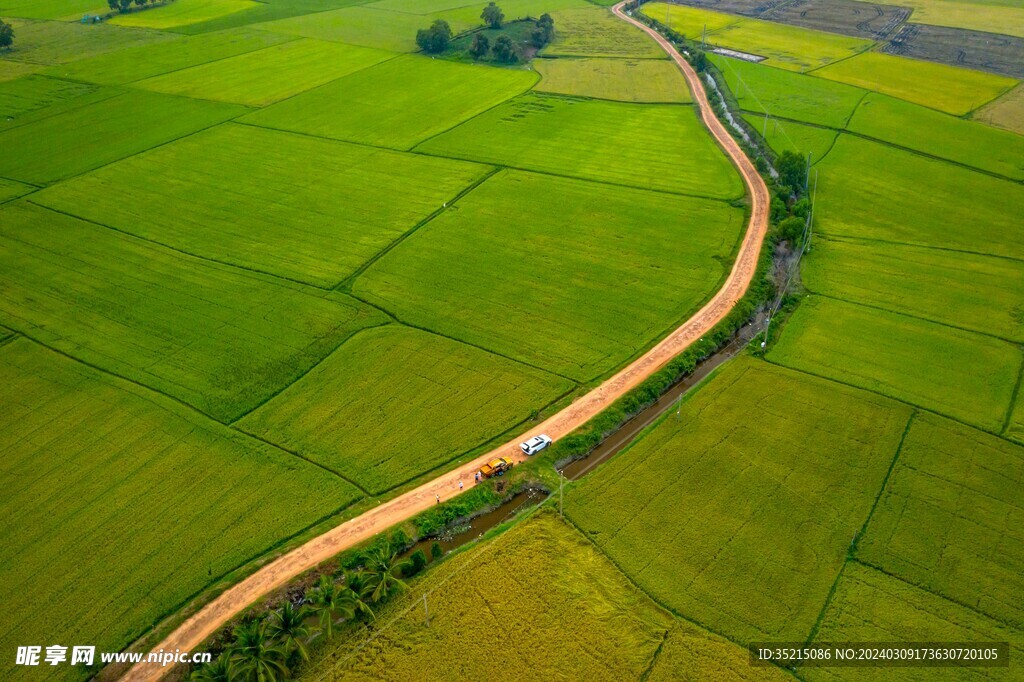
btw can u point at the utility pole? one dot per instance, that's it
(426, 611)
(561, 494)
(807, 173)
(814, 198)
(704, 37)
(764, 128)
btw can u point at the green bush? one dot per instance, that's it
(435, 550)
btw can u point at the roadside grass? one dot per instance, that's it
(9, 189)
(869, 606)
(582, 279)
(182, 13)
(102, 132)
(1007, 112)
(360, 25)
(216, 338)
(625, 80)
(268, 75)
(58, 42)
(535, 602)
(393, 403)
(654, 146)
(315, 210)
(398, 103)
(949, 520)
(33, 97)
(991, 16)
(739, 512)
(784, 94)
(785, 46)
(980, 293)
(872, 191)
(946, 88)
(119, 505)
(137, 63)
(795, 137)
(595, 32)
(961, 374)
(948, 137)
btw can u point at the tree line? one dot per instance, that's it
(272, 646)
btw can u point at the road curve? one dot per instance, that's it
(191, 634)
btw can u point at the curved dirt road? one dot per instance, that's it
(190, 634)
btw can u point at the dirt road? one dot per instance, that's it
(190, 634)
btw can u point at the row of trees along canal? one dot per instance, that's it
(498, 41)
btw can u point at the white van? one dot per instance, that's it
(535, 444)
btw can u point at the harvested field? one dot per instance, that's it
(393, 403)
(268, 75)
(934, 133)
(316, 209)
(118, 127)
(961, 374)
(869, 606)
(949, 520)
(89, 459)
(663, 147)
(212, 336)
(603, 273)
(58, 42)
(980, 293)
(625, 80)
(784, 94)
(553, 582)
(786, 47)
(398, 103)
(926, 201)
(182, 13)
(738, 513)
(1006, 112)
(946, 88)
(999, 54)
(137, 63)
(595, 32)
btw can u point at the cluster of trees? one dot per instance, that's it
(6, 34)
(436, 38)
(123, 6)
(271, 646)
(503, 50)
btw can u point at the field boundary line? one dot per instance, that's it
(646, 674)
(200, 625)
(175, 249)
(7, 338)
(911, 316)
(1014, 396)
(346, 283)
(852, 549)
(118, 92)
(853, 238)
(288, 39)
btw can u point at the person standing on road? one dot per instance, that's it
(438, 498)
(460, 484)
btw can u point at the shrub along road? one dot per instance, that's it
(191, 634)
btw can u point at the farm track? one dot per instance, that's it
(190, 635)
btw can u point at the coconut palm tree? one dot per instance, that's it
(257, 657)
(219, 670)
(288, 626)
(382, 568)
(356, 589)
(329, 603)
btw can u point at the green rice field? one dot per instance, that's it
(965, 142)
(785, 94)
(32, 98)
(595, 269)
(50, 9)
(146, 61)
(869, 606)
(333, 214)
(393, 403)
(949, 519)
(9, 189)
(183, 13)
(596, 32)
(962, 374)
(795, 137)
(258, 13)
(118, 127)
(946, 88)
(738, 512)
(398, 103)
(661, 147)
(268, 75)
(979, 293)
(89, 459)
(624, 80)
(873, 191)
(215, 337)
(58, 42)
